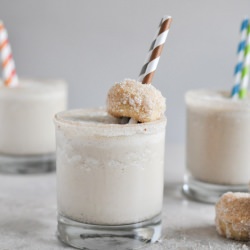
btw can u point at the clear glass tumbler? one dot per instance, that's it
(217, 146)
(27, 135)
(110, 180)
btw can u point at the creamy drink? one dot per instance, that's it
(110, 164)
(26, 128)
(108, 174)
(218, 144)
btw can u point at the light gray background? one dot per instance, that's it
(92, 44)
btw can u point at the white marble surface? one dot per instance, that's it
(28, 213)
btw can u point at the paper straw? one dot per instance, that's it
(245, 70)
(152, 59)
(240, 59)
(153, 56)
(8, 66)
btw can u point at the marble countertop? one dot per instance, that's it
(28, 213)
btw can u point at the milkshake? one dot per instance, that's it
(27, 141)
(110, 171)
(218, 144)
(109, 174)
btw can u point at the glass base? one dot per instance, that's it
(30, 164)
(206, 192)
(94, 237)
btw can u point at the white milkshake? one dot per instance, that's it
(108, 173)
(26, 115)
(218, 140)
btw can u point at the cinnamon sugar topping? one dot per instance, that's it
(142, 102)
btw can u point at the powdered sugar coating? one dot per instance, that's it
(142, 102)
(233, 216)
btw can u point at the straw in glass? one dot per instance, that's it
(8, 66)
(245, 70)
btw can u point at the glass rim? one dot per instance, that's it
(31, 88)
(216, 98)
(61, 118)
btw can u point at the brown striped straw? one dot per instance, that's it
(153, 57)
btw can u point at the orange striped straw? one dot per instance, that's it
(9, 70)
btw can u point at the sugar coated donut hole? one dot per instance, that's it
(233, 216)
(142, 102)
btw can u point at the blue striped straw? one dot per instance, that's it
(240, 61)
(245, 69)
